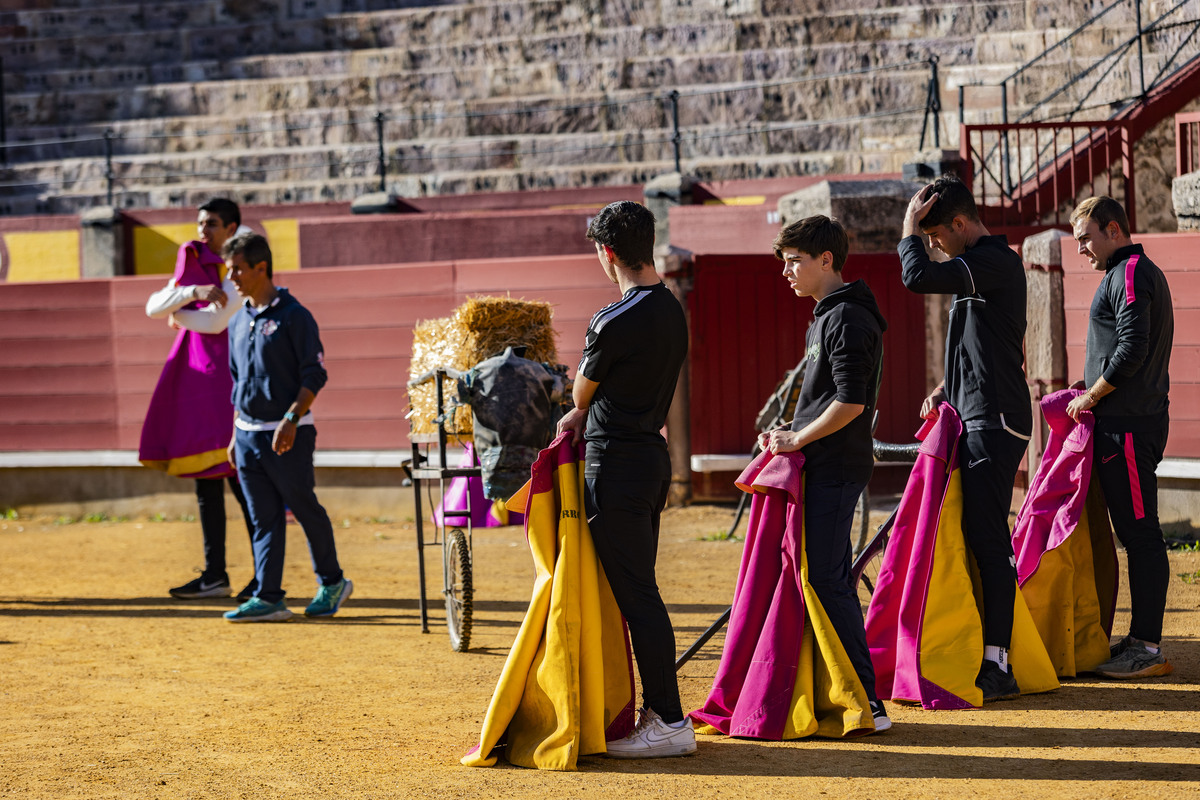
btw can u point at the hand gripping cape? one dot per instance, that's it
(784, 673)
(567, 686)
(190, 418)
(1066, 560)
(923, 624)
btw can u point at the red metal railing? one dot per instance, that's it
(1187, 142)
(1032, 173)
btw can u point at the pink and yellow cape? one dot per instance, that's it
(924, 625)
(567, 685)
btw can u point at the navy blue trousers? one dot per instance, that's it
(272, 484)
(828, 516)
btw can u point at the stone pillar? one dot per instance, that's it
(929, 164)
(1185, 195)
(103, 242)
(1045, 332)
(871, 210)
(675, 268)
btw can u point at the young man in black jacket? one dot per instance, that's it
(1130, 331)
(832, 426)
(985, 383)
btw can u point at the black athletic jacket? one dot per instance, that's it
(844, 349)
(985, 379)
(1130, 331)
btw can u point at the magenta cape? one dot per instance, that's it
(567, 685)
(1066, 560)
(784, 674)
(190, 419)
(469, 489)
(924, 626)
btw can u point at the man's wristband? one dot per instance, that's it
(292, 417)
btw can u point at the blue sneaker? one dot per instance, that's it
(329, 599)
(255, 610)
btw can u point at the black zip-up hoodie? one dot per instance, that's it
(985, 376)
(844, 350)
(1131, 328)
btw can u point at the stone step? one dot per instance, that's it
(251, 165)
(714, 168)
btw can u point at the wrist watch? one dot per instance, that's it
(292, 417)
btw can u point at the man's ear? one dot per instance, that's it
(1113, 229)
(827, 260)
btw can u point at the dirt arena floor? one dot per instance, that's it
(113, 689)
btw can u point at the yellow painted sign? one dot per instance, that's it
(42, 256)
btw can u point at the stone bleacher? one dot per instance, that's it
(274, 100)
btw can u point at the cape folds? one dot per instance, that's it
(567, 685)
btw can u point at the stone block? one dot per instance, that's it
(1185, 196)
(871, 210)
(1044, 250)
(103, 242)
(926, 165)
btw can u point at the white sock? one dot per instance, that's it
(679, 724)
(997, 655)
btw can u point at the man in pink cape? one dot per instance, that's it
(190, 418)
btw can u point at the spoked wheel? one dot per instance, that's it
(865, 570)
(458, 590)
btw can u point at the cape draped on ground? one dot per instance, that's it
(1066, 559)
(923, 624)
(784, 673)
(189, 421)
(567, 685)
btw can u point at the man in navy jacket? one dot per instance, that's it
(277, 361)
(1130, 332)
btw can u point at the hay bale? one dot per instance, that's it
(479, 329)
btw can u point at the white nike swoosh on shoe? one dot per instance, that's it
(653, 737)
(204, 587)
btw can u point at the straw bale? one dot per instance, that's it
(479, 329)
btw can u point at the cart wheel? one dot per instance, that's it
(458, 591)
(865, 570)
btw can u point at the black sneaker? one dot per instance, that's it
(882, 723)
(996, 683)
(248, 592)
(1121, 646)
(202, 587)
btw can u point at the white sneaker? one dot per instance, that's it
(882, 723)
(653, 738)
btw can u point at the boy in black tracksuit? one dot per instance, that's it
(832, 426)
(985, 383)
(1131, 329)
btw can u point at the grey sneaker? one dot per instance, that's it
(1135, 661)
(653, 738)
(329, 599)
(255, 610)
(1121, 646)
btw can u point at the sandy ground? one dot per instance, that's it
(113, 689)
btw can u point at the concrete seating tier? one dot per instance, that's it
(589, 77)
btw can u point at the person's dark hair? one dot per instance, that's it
(628, 228)
(252, 246)
(1101, 210)
(815, 235)
(954, 199)
(227, 210)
